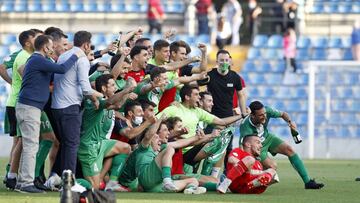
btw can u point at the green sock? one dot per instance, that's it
(166, 172)
(299, 167)
(118, 163)
(44, 148)
(86, 184)
(206, 168)
(7, 168)
(210, 186)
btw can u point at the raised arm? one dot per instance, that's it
(152, 131)
(227, 120)
(188, 79)
(120, 98)
(285, 116)
(118, 67)
(178, 64)
(204, 60)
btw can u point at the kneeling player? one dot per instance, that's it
(245, 174)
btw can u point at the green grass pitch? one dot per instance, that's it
(338, 176)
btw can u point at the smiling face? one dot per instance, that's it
(156, 143)
(163, 54)
(207, 102)
(179, 55)
(142, 58)
(253, 145)
(109, 89)
(163, 133)
(259, 116)
(194, 98)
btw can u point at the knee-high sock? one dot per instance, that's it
(207, 167)
(236, 171)
(166, 172)
(118, 163)
(299, 166)
(210, 186)
(84, 183)
(44, 148)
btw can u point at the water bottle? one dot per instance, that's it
(66, 195)
(116, 43)
(296, 136)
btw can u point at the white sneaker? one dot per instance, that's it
(116, 187)
(53, 182)
(195, 190)
(78, 188)
(169, 186)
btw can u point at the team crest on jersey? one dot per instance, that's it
(235, 154)
(7, 59)
(230, 85)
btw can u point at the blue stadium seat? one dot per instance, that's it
(278, 67)
(300, 93)
(132, 8)
(254, 53)
(260, 41)
(344, 92)
(187, 38)
(284, 92)
(346, 42)
(98, 39)
(347, 54)
(202, 39)
(273, 79)
(319, 54)
(62, 7)
(272, 54)
(90, 7)
(303, 42)
(265, 67)
(335, 42)
(344, 8)
(320, 42)
(8, 39)
(319, 119)
(249, 66)
(301, 119)
(256, 79)
(278, 104)
(339, 105)
(4, 51)
(302, 54)
(350, 119)
(174, 7)
(275, 41)
(303, 79)
(118, 7)
(317, 8)
(320, 106)
(20, 7)
(104, 6)
(76, 7)
(294, 106)
(351, 78)
(331, 8)
(48, 7)
(34, 7)
(253, 91)
(266, 92)
(355, 8)
(7, 7)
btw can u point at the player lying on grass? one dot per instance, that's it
(95, 147)
(257, 123)
(154, 161)
(245, 174)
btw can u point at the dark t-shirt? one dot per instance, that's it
(186, 70)
(222, 89)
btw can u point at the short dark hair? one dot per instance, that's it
(145, 103)
(141, 41)
(203, 94)
(102, 80)
(41, 41)
(174, 47)
(186, 90)
(222, 51)
(24, 36)
(82, 37)
(170, 122)
(159, 44)
(156, 71)
(137, 50)
(37, 31)
(255, 105)
(115, 59)
(129, 106)
(248, 137)
(51, 30)
(56, 36)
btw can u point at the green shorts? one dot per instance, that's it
(45, 126)
(269, 145)
(132, 185)
(94, 167)
(150, 178)
(218, 146)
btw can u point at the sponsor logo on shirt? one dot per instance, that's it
(230, 85)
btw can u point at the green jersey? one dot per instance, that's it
(9, 60)
(153, 95)
(144, 157)
(20, 60)
(95, 75)
(96, 126)
(248, 128)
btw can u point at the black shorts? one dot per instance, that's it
(12, 120)
(190, 155)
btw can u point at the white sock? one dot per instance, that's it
(11, 175)
(215, 171)
(167, 180)
(227, 181)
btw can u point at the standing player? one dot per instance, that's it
(257, 123)
(245, 174)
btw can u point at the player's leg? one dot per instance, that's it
(119, 151)
(164, 161)
(279, 146)
(236, 171)
(94, 180)
(264, 179)
(189, 186)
